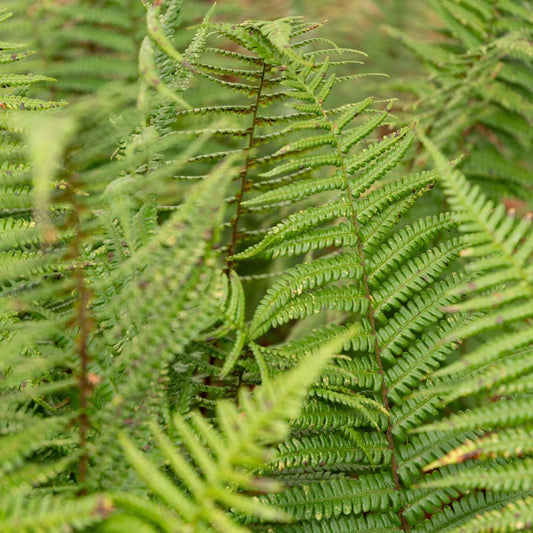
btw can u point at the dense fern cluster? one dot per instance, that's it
(221, 307)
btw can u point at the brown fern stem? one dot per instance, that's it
(377, 353)
(82, 321)
(84, 384)
(244, 177)
(239, 197)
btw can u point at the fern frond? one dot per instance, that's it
(168, 250)
(501, 251)
(260, 421)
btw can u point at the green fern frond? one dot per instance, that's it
(168, 250)
(238, 446)
(500, 248)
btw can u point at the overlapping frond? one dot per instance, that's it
(37, 440)
(355, 269)
(222, 459)
(141, 345)
(216, 232)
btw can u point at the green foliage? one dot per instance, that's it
(241, 444)
(499, 367)
(227, 306)
(476, 97)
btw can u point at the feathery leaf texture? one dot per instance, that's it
(224, 306)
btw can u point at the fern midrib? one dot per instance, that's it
(370, 312)
(244, 176)
(377, 353)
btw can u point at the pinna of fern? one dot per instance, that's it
(15, 85)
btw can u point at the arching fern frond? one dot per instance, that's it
(227, 456)
(500, 247)
(346, 227)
